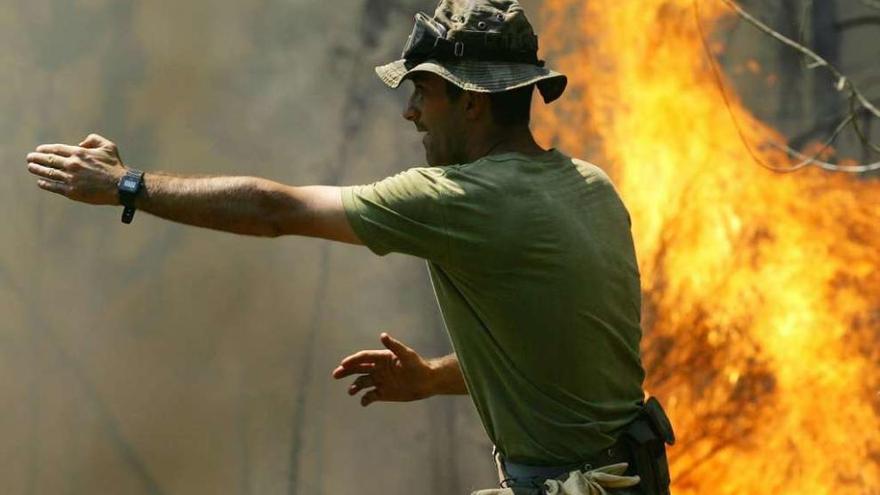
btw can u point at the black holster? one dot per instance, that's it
(646, 440)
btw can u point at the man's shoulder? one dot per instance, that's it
(419, 181)
(591, 172)
(516, 166)
(552, 155)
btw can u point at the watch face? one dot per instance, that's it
(129, 184)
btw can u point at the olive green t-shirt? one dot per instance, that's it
(533, 265)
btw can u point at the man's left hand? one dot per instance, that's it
(398, 374)
(88, 173)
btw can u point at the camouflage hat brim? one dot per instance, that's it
(480, 76)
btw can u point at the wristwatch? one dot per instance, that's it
(129, 186)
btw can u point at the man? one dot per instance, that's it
(529, 252)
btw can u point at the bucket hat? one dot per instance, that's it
(486, 46)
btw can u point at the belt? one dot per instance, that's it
(515, 473)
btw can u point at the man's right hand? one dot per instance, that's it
(88, 173)
(396, 374)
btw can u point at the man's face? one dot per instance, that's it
(441, 119)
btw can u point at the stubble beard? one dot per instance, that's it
(432, 155)
(440, 156)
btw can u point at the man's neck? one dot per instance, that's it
(503, 140)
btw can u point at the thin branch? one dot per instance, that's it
(814, 160)
(800, 139)
(716, 71)
(853, 169)
(842, 81)
(852, 118)
(858, 103)
(863, 136)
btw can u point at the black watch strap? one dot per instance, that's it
(129, 186)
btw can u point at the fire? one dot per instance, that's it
(762, 290)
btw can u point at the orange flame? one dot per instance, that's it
(762, 290)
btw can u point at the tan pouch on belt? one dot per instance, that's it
(594, 482)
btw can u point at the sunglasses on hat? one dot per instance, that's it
(429, 40)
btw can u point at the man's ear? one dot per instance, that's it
(476, 105)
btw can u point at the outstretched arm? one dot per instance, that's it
(400, 374)
(90, 173)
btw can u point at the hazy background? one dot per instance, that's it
(162, 359)
(156, 358)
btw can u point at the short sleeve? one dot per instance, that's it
(403, 213)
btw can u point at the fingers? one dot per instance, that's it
(51, 170)
(49, 160)
(59, 149)
(344, 371)
(365, 382)
(360, 383)
(363, 357)
(397, 347)
(55, 187)
(52, 174)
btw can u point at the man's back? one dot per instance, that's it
(535, 273)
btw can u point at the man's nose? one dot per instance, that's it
(410, 113)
